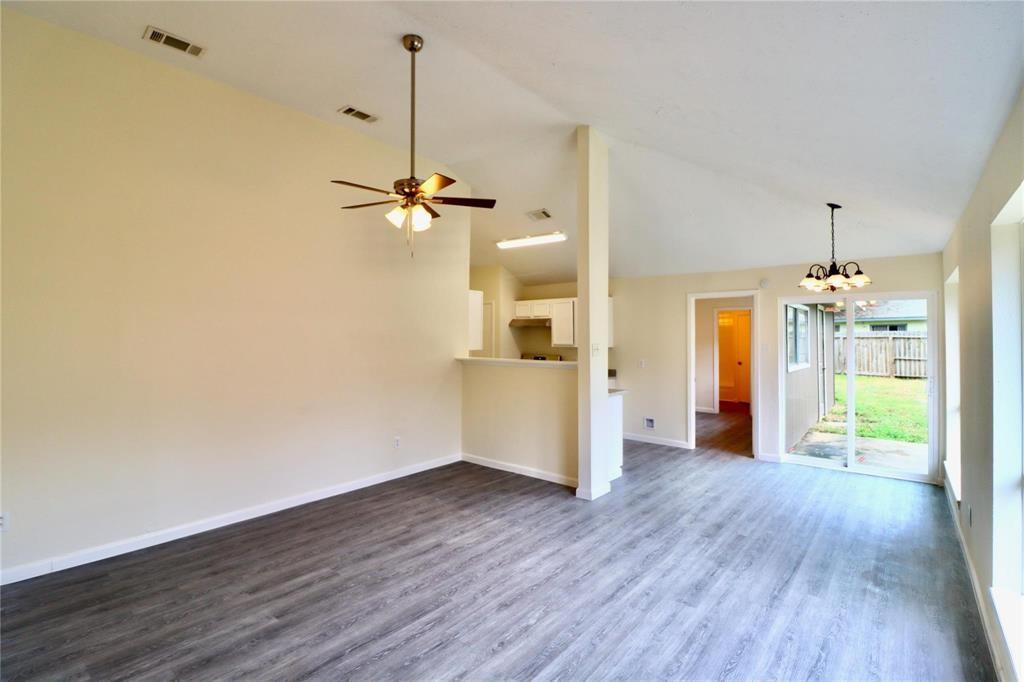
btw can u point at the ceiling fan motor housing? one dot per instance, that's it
(407, 186)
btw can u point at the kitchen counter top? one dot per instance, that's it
(516, 362)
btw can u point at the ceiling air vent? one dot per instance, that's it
(355, 113)
(539, 214)
(158, 35)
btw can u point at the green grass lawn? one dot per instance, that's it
(895, 409)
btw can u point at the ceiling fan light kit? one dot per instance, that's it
(414, 197)
(835, 276)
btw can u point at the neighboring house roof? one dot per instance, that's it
(892, 310)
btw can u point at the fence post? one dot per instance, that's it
(892, 355)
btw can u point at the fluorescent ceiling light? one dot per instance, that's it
(528, 240)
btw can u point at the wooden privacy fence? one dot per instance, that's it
(886, 354)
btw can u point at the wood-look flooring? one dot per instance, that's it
(699, 565)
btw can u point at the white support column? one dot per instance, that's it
(592, 312)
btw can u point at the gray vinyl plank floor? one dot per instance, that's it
(699, 565)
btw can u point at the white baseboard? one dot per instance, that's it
(993, 632)
(519, 469)
(768, 457)
(657, 440)
(706, 410)
(90, 554)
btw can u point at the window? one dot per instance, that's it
(889, 327)
(798, 340)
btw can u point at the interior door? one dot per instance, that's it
(727, 356)
(742, 340)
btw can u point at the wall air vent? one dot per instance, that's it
(355, 113)
(158, 35)
(539, 214)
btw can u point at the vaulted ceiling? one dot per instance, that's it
(730, 124)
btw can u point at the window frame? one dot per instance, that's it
(794, 311)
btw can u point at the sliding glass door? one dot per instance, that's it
(858, 384)
(891, 382)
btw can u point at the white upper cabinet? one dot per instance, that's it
(562, 313)
(563, 322)
(534, 309)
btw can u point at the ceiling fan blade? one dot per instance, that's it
(464, 201)
(356, 184)
(435, 183)
(372, 203)
(430, 209)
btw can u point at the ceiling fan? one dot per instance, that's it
(413, 196)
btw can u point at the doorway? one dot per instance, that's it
(861, 396)
(722, 401)
(732, 359)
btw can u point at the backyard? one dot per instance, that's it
(887, 408)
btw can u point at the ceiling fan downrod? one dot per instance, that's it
(413, 43)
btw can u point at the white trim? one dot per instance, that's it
(521, 470)
(159, 537)
(706, 410)
(691, 365)
(993, 633)
(770, 457)
(657, 440)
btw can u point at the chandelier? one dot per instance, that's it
(835, 277)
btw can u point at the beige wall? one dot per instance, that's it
(191, 325)
(557, 290)
(704, 345)
(521, 416)
(969, 249)
(650, 325)
(503, 288)
(802, 386)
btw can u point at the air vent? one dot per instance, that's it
(539, 214)
(158, 35)
(355, 113)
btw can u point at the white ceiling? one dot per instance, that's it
(730, 124)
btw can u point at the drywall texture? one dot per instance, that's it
(969, 252)
(704, 345)
(191, 324)
(650, 326)
(521, 416)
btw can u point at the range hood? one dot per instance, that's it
(530, 322)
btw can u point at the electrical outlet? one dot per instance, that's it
(398, 442)
(4, 521)
(643, 364)
(649, 423)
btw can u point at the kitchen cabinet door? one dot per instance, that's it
(541, 309)
(524, 309)
(563, 328)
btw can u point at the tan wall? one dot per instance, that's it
(650, 324)
(704, 345)
(556, 290)
(503, 288)
(521, 416)
(802, 387)
(969, 249)
(191, 325)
